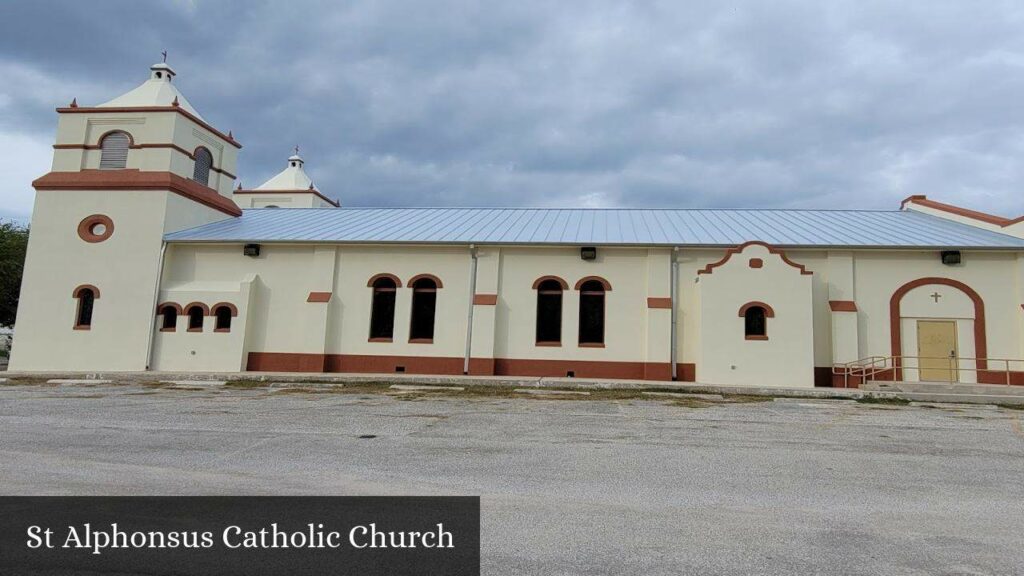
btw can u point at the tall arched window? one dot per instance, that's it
(549, 312)
(755, 323)
(592, 313)
(114, 151)
(382, 313)
(204, 161)
(195, 313)
(86, 296)
(424, 304)
(169, 317)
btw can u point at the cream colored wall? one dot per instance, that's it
(274, 316)
(625, 305)
(282, 200)
(786, 358)
(1013, 230)
(145, 128)
(206, 351)
(351, 322)
(992, 274)
(123, 268)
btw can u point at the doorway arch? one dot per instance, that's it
(895, 328)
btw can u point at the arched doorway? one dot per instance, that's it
(933, 329)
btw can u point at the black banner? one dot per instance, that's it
(244, 536)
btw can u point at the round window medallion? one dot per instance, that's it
(95, 228)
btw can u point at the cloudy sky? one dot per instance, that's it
(837, 104)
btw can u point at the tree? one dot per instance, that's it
(13, 244)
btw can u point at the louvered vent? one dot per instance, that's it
(204, 160)
(115, 151)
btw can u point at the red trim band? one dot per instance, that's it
(133, 179)
(485, 299)
(129, 109)
(542, 279)
(316, 193)
(922, 200)
(895, 328)
(319, 297)
(768, 311)
(738, 249)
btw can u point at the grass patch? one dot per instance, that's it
(246, 384)
(317, 390)
(26, 382)
(884, 401)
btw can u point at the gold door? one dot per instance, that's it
(936, 346)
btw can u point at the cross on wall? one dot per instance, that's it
(935, 296)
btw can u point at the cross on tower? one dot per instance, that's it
(935, 296)
(296, 149)
(165, 56)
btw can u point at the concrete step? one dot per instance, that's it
(945, 388)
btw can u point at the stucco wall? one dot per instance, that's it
(785, 357)
(146, 128)
(123, 268)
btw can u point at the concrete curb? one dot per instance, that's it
(306, 380)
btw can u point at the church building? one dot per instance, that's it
(145, 255)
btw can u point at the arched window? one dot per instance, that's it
(86, 296)
(755, 323)
(424, 304)
(382, 313)
(592, 313)
(169, 317)
(549, 312)
(114, 151)
(204, 161)
(223, 314)
(195, 313)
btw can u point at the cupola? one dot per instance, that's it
(289, 188)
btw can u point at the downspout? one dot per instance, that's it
(156, 301)
(674, 293)
(469, 316)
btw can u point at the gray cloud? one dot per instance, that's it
(784, 104)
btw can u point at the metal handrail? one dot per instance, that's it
(868, 368)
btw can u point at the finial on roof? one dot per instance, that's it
(175, 102)
(231, 135)
(311, 186)
(74, 102)
(165, 56)
(239, 185)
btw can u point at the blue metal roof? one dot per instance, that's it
(641, 227)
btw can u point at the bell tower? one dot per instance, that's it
(124, 174)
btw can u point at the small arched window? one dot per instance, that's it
(382, 313)
(755, 320)
(549, 312)
(424, 305)
(195, 315)
(114, 151)
(592, 313)
(86, 296)
(204, 161)
(223, 314)
(169, 317)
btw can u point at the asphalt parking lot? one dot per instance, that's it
(596, 486)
